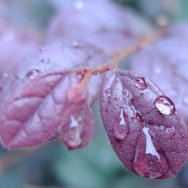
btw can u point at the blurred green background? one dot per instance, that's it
(95, 166)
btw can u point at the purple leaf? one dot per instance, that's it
(33, 113)
(145, 130)
(37, 95)
(100, 23)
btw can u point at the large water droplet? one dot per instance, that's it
(121, 127)
(140, 83)
(33, 73)
(164, 105)
(108, 92)
(150, 149)
(149, 160)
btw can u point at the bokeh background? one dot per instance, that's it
(51, 165)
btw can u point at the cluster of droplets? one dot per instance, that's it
(162, 103)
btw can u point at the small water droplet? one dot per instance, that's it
(140, 83)
(108, 92)
(162, 128)
(164, 105)
(121, 127)
(77, 45)
(45, 60)
(33, 73)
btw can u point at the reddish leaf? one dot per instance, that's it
(144, 128)
(36, 99)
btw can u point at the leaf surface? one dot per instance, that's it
(145, 130)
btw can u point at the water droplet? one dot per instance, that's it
(121, 127)
(77, 45)
(45, 60)
(73, 123)
(150, 149)
(108, 92)
(164, 105)
(73, 136)
(140, 83)
(7, 34)
(33, 73)
(162, 128)
(151, 162)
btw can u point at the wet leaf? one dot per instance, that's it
(154, 144)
